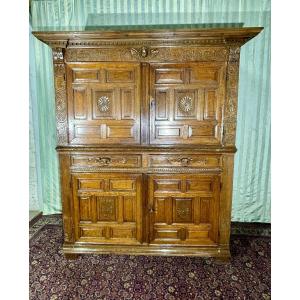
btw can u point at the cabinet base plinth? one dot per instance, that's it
(221, 253)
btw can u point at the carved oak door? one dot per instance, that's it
(107, 208)
(103, 103)
(184, 209)
(186, 103)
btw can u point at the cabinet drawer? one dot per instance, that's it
(184, 160)
(107, 160)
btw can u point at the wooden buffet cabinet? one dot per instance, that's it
(146, 124)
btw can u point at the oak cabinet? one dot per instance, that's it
(146, 124)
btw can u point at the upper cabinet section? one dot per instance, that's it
(148, 87)
(103, 103)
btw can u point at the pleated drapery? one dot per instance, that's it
(251, 195)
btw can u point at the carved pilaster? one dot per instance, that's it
(60, 96)
(66, 197)
(230, 110)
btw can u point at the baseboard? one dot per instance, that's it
(254, 228)
(35, 218)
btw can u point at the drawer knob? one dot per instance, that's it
(151, 209)
(182, 234)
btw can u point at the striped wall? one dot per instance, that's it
(251, 197)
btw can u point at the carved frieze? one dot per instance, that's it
(155, 54)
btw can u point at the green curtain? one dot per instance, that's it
(251, 196)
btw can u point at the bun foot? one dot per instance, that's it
(223, 260)
(71, 256)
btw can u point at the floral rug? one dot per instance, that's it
(140, 277)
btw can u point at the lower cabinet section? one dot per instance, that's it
(107, 208)
(169, 209)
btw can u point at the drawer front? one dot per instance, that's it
(107, 208)
(106, 160)
(183, 160)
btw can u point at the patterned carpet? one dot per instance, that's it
(139, 277)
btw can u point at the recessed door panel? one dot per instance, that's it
(107, 208)
(187, 215)
(104, 103)
(186, 103)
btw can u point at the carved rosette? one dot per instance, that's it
(103, 104)
(183, 212)
(230, 111)
(60, 96)
(186, 104)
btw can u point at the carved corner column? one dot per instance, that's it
(226, 200)
(230, 110)
(60, 96)
(61, 107)
(229, 135)
(66, 197)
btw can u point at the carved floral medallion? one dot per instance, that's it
(103, 104)
(186, 104)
